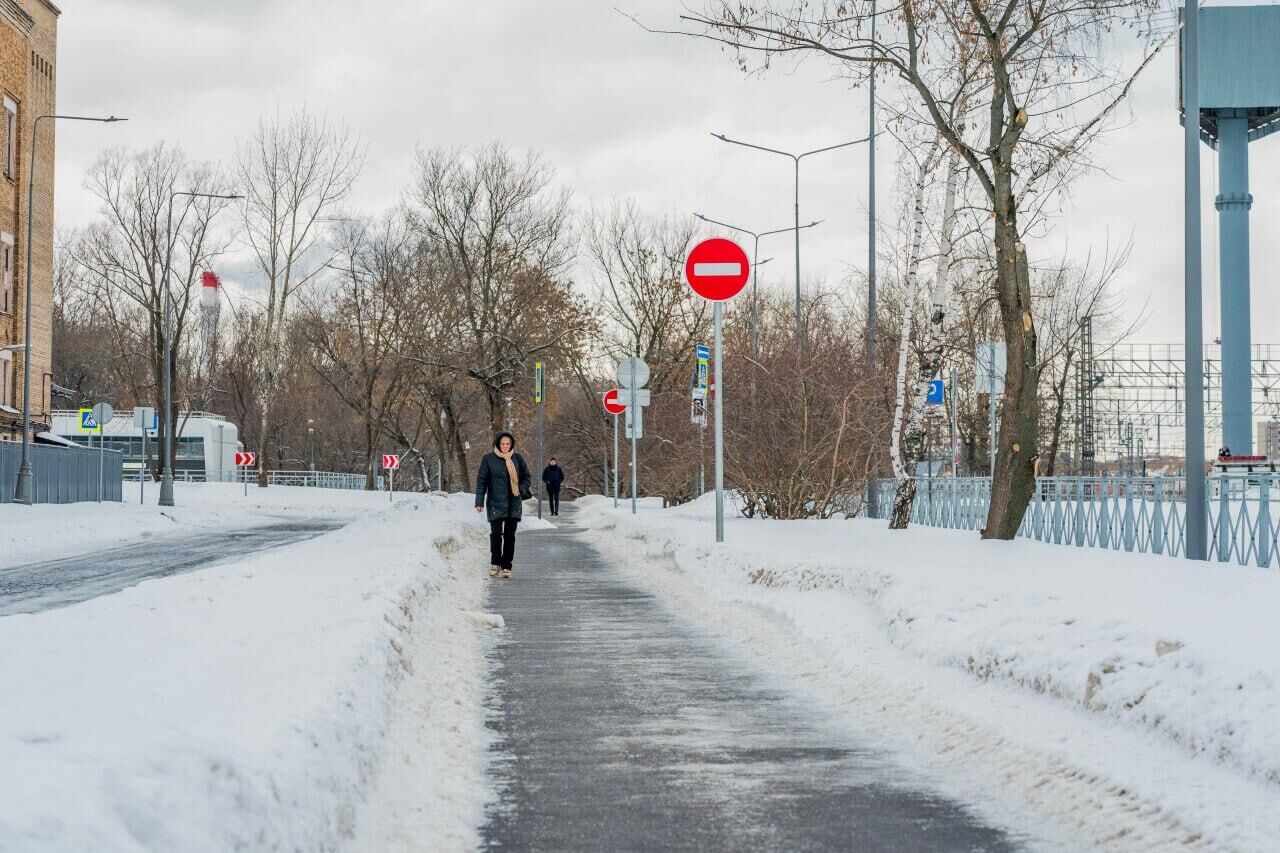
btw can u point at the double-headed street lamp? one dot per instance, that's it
(796, 158)
(755, 252)
(24, 492)
(166, 477)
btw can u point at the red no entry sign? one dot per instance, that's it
(717, 269)
(612, 404)
(390, 462)
(245, 459)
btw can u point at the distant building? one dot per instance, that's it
(1268, 443)
(28, 51)
(207, 443)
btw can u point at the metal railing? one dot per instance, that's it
(314, 479)
(1146, 515)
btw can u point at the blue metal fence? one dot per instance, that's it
(1141, 514)
(62, 475)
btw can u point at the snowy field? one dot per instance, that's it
(279, 702)
(48, 531)
(1086, 699)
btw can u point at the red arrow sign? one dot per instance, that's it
(390, 462)
(246, 459)
(717, 269)
(612, 404)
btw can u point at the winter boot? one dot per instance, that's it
(493, 571)
(506, 573)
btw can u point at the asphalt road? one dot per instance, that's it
(620, 727)
(34, 587)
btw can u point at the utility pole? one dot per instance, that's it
(872, 331)
(1197, 520)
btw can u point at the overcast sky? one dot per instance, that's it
(619, 112)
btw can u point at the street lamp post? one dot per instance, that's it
(796, 158)
(166, 475)
(755, 253)
(311, 444)
(1197, 523)
(24, 493)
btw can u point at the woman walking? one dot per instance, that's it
(502, 484)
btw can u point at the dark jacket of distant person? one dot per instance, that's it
(553, 476)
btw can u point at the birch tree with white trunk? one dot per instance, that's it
(911, 439)
(902, 466)
(295, 173)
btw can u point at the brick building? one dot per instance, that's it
(28, 56)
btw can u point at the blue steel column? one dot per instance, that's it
(1233, 204)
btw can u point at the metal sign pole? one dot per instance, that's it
(142, 469)
(391, 492)
(615, 461)
(991, 402)
(634, 420)
(719, 400)
(245, 477)
(101, 459)
(955, 450)
(540, 460)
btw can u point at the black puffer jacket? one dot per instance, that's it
(493, 485)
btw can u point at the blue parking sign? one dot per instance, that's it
(936, 391)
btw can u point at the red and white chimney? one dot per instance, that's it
(209, 295)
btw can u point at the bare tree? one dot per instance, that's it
(123, 253)
(1067, 296)
(647, 306)
(1037, 87)
(358, 324)
(504, 240)
(294, 173)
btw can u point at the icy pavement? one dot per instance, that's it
(1088, 700)
(620, 726)
(36, 587)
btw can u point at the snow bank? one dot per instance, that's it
(1130, 701)
(251, 705)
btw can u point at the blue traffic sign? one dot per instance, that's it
(936, 391)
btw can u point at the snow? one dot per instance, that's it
(1083, 698)
(49, 531)
(281, 701)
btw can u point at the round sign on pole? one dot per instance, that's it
(625, 372)
(612, 405)
(717, 269)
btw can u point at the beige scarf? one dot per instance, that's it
(512, 477)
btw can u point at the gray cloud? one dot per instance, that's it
(622, 113)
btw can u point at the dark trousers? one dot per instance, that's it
(553, 498)
(502, 541)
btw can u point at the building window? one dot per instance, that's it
(10, 139)
(6, 274)
(6, 379)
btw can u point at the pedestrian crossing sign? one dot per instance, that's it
(87, 422)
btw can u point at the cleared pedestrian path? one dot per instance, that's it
(621, 728)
